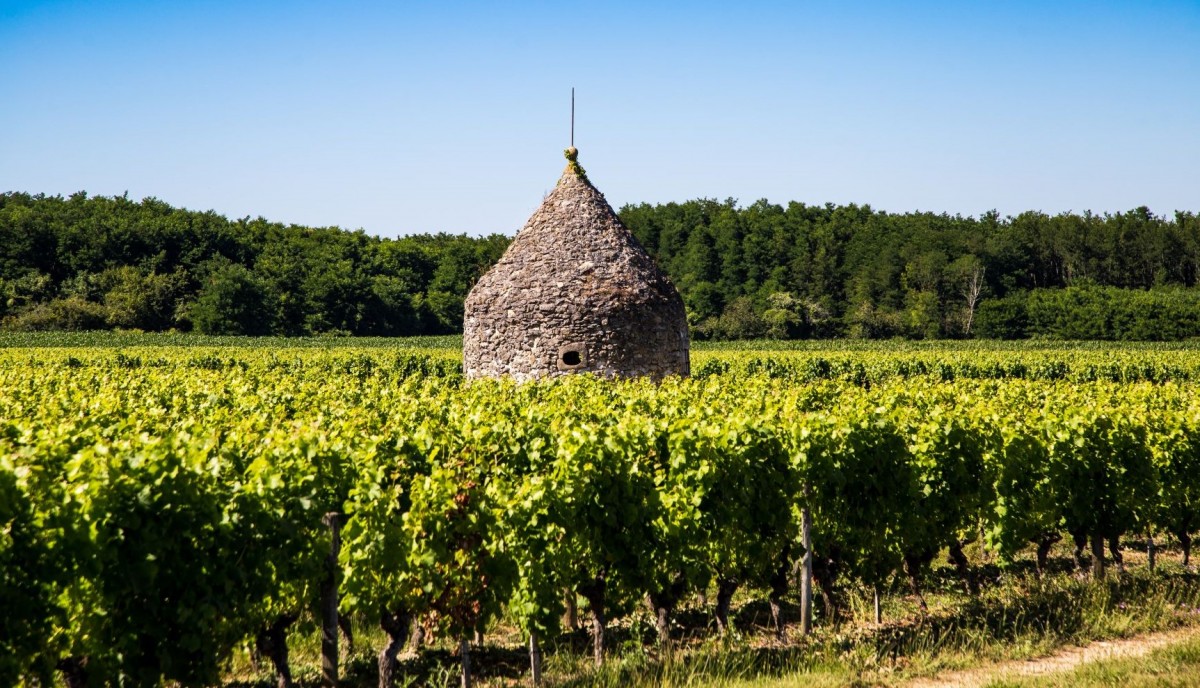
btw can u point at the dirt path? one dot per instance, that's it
(1063, 660)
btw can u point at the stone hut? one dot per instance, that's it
(574, 292)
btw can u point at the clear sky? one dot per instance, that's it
(405, 117)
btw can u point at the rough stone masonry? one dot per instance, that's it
(574, 292)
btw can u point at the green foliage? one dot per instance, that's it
(455, 554)
(101, 263)
(922, 275)
(1176, 448)
(232, 302)
(1026, 506)
(922, 319)
(95, 262)
(1102, 471)
(856, 471)
(572, 156)
(23, 289)
(739, 320)
(1005, 318)
(70, 314)
(29, 574)
(741, 485)
(161, 576)
(611, 503)
(1093, 312)
(159, 506)
(951, 487)
(136, 300)
(783, 318)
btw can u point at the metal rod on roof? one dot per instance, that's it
(572, 116)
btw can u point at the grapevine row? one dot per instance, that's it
(861, 368)
(156, 518)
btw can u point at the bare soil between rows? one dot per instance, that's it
(1064, 660)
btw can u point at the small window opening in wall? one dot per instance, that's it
(572, 356)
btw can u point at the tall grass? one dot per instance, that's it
(1016, 619)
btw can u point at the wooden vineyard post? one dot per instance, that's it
(1097, 556)
(806, 569)
(571, 615)
(329, 603)
(464, 649)
(535, 659)
(878, 605)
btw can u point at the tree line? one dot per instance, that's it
(762, 270)
(87, 263)
(851, 271)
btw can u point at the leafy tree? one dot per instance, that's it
(1004, 318)
(1124, 276)
(783, 318)
(233, 301)
(71, 313)
(704, 302)
(138, 300)
(739, 320)
(922, 318)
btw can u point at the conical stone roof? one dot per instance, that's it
(574, 292)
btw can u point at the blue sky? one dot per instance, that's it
(410, 117)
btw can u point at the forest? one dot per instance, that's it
(760, 270)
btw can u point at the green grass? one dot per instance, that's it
(1018, 619)
(118, 339)
(1015, 618)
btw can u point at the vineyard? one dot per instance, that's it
(164, 508)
